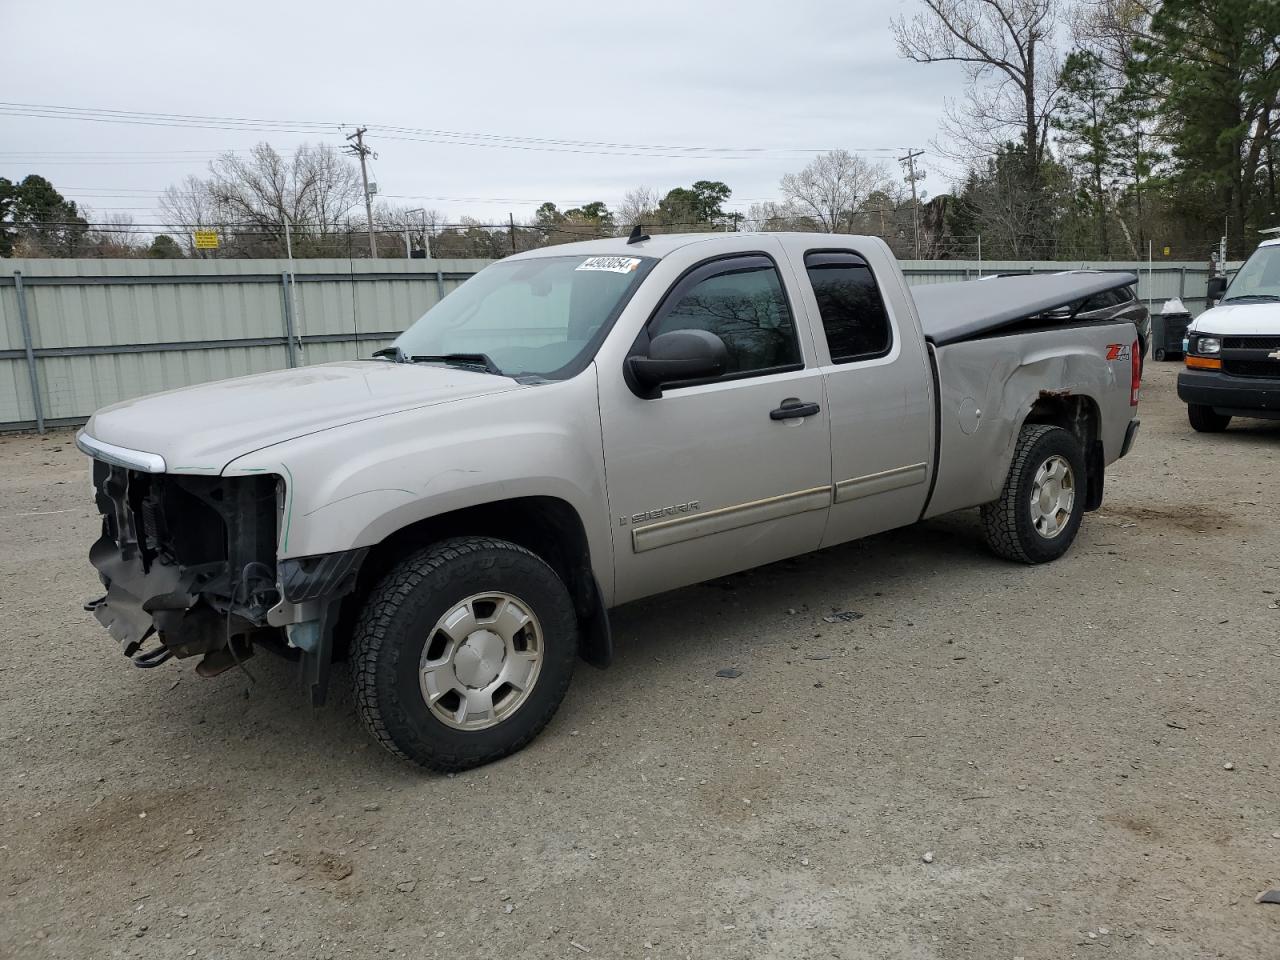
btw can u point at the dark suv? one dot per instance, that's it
(1119, 304)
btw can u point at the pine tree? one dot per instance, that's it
(1217, 65)
(1088, 123)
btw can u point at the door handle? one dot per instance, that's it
(791, 408)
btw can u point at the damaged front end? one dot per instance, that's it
(189, 559)
(191, 563)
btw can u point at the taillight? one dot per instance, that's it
(1135, 385)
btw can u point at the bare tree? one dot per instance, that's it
(1110, 29)
(770, 217)
(831, 187)
(638, 206)
(1011, 65)
(1010, 211)
(312, 191)
(186, 207)
(112, 235)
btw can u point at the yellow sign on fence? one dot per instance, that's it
(206, 239)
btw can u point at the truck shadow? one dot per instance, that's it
(234, 721)
(1252, 431)
(886, 572)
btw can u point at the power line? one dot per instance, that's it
(423, 134)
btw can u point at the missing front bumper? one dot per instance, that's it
(190, 560)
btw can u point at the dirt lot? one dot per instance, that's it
(1058, 737)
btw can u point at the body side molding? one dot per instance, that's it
(666, 532)
(882, 482)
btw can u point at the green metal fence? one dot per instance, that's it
(76, 335)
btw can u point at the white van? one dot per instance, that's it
(1233, 350)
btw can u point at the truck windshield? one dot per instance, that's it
(540, 317)
(1259, 278)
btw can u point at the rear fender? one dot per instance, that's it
(991, 387)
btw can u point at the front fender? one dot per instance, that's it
(353, 486)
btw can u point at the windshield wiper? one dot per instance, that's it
(481, 360)
(392, 352)
(1265, 297)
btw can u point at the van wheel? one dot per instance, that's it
(463, 652)
(1206, 419)
(1039, 511)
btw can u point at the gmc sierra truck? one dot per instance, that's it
(580, 426)
(1233, 349)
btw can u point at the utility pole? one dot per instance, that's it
(511, 218)
(912, 177)
(358, 149)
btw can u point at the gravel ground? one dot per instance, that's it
(1086, 749)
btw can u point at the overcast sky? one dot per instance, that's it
(774, 80)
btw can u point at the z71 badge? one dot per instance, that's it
(1118, 351)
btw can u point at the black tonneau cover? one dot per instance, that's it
(959, 311)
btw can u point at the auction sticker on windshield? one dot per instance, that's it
(610, 264)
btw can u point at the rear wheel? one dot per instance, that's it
(1159, 354)
(1206, 419)
(463, 653)
(1040, 508)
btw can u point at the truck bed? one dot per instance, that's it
(952, 312)
(994, 383)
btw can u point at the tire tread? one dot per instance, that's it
(1000, 517)
(371, 639)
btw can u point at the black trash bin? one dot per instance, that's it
(1168, 329)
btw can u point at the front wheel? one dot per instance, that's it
(463, 653)
(1206, 419)
(1040, 508)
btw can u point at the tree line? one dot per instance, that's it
(1086, 129)
(1157, 126)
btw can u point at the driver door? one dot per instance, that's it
(713, 476)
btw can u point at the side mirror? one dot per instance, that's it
(1217, 287)
(675, 356)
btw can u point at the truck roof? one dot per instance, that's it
(659, 245)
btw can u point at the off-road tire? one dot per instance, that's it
(1206, 419)
(1007, 523)
(394, 625)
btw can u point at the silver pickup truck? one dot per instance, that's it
(580, 426)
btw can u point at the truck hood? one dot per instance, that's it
(203, 428)
(1240, 319)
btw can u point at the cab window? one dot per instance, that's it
(740, 300)
(853, 314)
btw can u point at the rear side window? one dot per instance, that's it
(742, 302)
(849, 302)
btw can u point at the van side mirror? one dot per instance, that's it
(1217, 287)
(676, 356)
